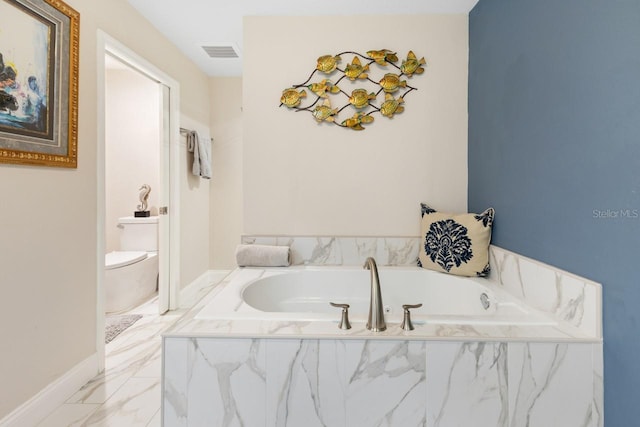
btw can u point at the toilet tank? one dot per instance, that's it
(138, 234)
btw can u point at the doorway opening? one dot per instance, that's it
(132, 153)
(133, 131)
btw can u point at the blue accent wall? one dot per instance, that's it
(554, 147)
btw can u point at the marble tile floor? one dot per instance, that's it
(127, 393)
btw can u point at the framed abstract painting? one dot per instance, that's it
(39, 52)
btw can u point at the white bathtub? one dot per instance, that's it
(304, 294)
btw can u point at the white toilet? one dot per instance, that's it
(131, 274)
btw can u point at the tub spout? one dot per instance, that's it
(375, 321)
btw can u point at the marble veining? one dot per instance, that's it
(401, 251)
(296, 382)
(310, 382)
(540, 374)
(344, 250)
(305, 383)
(576, 300)
(225, 382)
(473, 384)
(365, 247)
(386, 383)
(133, 404)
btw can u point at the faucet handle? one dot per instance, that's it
(407, 325)
(344, 320)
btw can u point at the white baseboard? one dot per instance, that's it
(192, 293)
(34, 410)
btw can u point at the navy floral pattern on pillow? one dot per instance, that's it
(426, 210)
(447, 244)
(485, 271)
(486, 217)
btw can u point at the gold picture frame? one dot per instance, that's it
(39, 64)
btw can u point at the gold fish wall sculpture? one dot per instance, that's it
(360, 98)
(324, 86)
(379, 88)
(383, 56)
(292, 97)
(391, 106)
(391, 82)
(327, 63)
(324, 112)
(412, 65)
(357, 121)
(355, 70)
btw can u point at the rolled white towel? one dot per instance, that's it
(263, 256)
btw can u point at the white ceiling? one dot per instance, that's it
(191, 24)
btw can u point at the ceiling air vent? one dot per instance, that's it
(221, 51)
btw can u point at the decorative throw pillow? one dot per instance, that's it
(455, 243)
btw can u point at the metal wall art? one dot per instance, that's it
(356, 87)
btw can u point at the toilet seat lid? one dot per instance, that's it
(119, 259)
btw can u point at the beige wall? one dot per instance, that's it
(194, 210)
(132, 147)
(48, 262)
(226, 185)
(306, 179)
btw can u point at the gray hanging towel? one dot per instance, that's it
(201, 150)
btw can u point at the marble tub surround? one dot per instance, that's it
(237, 370)
(307, 250)
(310, 382)
(570, 298)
